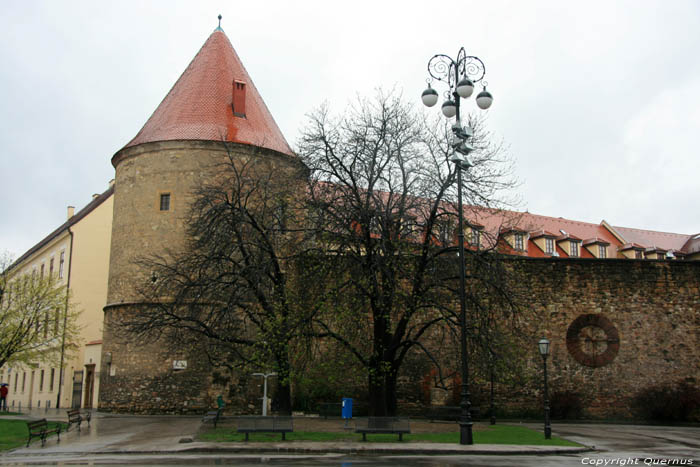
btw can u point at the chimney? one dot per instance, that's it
(238, 98)
(71, 211)
(95, 195)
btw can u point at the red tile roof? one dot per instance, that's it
(199, 105)
(648, 238)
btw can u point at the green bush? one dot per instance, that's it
(671, 403)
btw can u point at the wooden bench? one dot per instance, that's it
(390, 425)
(259, 424)
(40, 429)
(212, 416)
(76, 417)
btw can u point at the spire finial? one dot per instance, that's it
(219, 21)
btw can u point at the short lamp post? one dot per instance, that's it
(460, 75)
(544, 351)
(264, 397)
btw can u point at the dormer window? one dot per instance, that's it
(519, 241)
(573, 249)
(549, 246)
(602, 251)
(475, 239)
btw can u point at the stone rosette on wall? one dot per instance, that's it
(592, 330)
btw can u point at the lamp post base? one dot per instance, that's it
(465, 432)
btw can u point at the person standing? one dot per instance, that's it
(3, 396)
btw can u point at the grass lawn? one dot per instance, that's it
(497, 434)
(13, 433)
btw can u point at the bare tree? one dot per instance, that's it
(383, 192)
(232, 292)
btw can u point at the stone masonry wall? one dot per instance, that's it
(140, 377)
(654, 306)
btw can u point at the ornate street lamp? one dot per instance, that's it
(544, 351)
(460, 75)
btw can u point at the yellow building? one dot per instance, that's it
(77, 253)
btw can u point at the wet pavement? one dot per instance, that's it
(149, 440)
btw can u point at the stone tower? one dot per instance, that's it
(213, 101)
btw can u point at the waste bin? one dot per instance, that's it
(347, 408)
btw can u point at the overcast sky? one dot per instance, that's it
(598, 101)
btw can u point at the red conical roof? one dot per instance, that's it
(199, 105)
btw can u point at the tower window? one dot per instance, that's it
(165, 201)
(238, 99)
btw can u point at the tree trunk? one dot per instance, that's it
(382, 390)
(284, 393)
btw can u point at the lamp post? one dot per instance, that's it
(264, 397)
(460, 75)
(544, 351)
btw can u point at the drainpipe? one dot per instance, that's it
(65, 321)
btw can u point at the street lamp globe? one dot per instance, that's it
(484, 99)
(544, 347)
(465, 88)
(449, 109)
(429, 97)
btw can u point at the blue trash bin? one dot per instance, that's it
(347, 408)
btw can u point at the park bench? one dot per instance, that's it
(447, 412)
(390, 425)
(259, 424)
(213, 416)
(40, 429)
(76, 417)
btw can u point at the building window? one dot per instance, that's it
(637, 254)
(24, 380)
(53, 374)
(51, 267)
(549, 245)
(41, 381)
(573, 248)
(16, 375)
(41, 274)
(57, 318)
(602, 251)
(476, 238)
(165, 201)
(61, 262)
(519, 241)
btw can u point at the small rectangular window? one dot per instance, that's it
(61, 262)
(53, 374)
(476, 238)
(519, 241)
(24, 380)
(41, 381)
(637, 254)
(165, 201)
(549, 245)
(574, 248)
(602, 251)
(51, 267)
(42, 271)
(16, 375)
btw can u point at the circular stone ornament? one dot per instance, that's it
(592, 340)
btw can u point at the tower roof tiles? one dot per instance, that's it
(200, 106)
